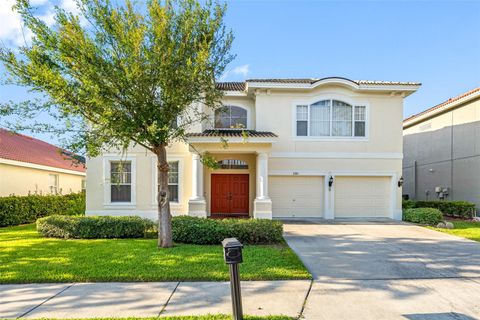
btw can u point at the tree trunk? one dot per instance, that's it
(164, 216)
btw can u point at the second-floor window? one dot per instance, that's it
(230, 117)
(330, 118)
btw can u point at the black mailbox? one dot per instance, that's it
(232, 251)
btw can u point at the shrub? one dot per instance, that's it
(408, 204)
(93, 227)
(459, 209)
(15, 210)
(209, 231)
(430, 216)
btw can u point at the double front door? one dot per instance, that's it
(229, 194)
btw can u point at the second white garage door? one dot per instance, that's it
(362, 197)
(296, 196)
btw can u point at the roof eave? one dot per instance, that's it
(218, 139)
(406, 88)
(430, 114)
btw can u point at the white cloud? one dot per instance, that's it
(11, 32)
(10, 25)
(242, 71)
(36, 3)
(70, 5)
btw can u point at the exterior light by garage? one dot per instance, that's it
(400, 182)
(330, 183)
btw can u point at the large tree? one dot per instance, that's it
(123, 75)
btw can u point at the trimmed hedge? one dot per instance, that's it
(93, 227)
(15, 210)
(210, 231)
(458, 209)
(430, 216)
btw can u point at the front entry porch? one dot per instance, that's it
(239, 187)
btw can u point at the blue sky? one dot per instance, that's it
(433, 42)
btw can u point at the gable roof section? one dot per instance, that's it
(306, 83)
(442, 107)
(233, 133)
(315, 80)
(230, 86)
(19, 147)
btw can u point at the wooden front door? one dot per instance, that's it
(230, 193)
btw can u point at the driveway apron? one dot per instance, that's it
(386, 270)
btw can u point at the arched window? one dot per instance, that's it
(232, 164)
(230, 117)
(331, 118)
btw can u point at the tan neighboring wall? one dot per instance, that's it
(22, 180)
(446, 149)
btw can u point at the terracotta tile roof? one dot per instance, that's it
(388, 83)
(443, 104)
(233, 133)
(231, 86)
(23, 148)
(285, 80)
(241, 86)
(313, 80)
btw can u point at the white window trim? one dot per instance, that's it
(107, 203)
(243, 106)
(54, 189)
(346, 99)
(180, 180)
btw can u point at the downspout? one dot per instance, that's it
(415, 180)
(451, 159)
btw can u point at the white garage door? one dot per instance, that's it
(296, 196)
(362, 197)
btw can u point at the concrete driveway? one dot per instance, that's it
(386, 270)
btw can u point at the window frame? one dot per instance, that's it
(107, 160)
(154, 171)
(345, 99)
(55, 188)
(244, 107)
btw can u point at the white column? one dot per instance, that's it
(329, 210)
(197, 178)
(262, 176)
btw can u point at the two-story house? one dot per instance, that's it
(324, 148)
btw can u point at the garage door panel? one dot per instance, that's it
(296, 196)
(362, 196)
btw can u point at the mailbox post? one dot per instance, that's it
(232, 253)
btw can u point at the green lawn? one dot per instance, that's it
(465, 229)
(25, 257)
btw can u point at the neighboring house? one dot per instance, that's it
(442, 151)
(324, 148)
(32, 166)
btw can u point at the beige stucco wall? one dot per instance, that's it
(19, 180)
(275, 112)
(446, 149)
(379, 153)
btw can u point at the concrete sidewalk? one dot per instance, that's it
(149, 299)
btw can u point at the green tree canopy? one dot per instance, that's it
(124, 74)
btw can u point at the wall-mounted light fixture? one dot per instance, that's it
(330, 183)
(400, 182)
